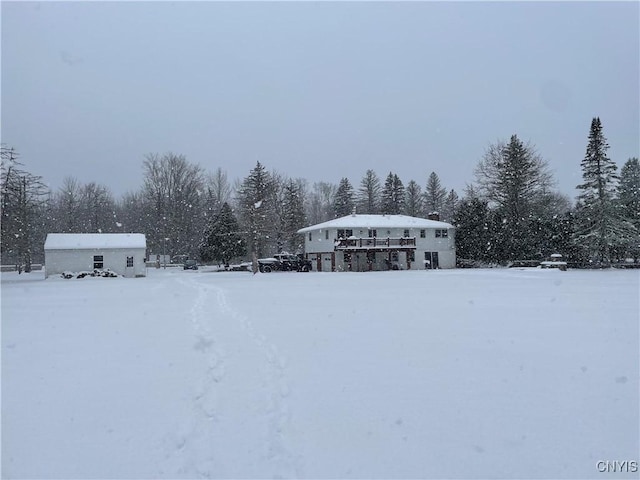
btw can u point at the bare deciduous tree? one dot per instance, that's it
(173, 192)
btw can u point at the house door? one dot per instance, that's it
(431, 260)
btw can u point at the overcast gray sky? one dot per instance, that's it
(315, 90)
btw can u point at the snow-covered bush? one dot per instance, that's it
(95, 273)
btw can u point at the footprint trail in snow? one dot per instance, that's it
(208, 444)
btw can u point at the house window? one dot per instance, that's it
(394, 256)
(373, 233)
(129, 261)
(98, 261)
(406, 232)
(441, 233)
(411, 256)
(326, 234)
(309, 236)
(423, 233)
(348, 233)
(341, 233)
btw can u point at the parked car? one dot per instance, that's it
(190, 265)
(293, 262)
(284, 262)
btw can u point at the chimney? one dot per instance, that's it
(434, 216)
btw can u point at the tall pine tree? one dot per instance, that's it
(255, 200)
(449, 206)
(629, 191)
(512, 178)
(294, 217)
(343, 201)
(393, 195)
(222, 239)
(601, 227)
(413, 200)
(473, 234)
(368, 197)
(434, 194)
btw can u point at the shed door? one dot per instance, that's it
(129, 270)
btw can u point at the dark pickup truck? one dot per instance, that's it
(284, 262)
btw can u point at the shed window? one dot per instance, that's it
(98, 261)
(129, 261)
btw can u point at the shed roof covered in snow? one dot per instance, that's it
(377, 221)
(81, 241)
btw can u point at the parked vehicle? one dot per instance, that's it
(554, 261)
(284, 262)
(293, 262)
(190, 265)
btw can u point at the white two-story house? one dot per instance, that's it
(379, 242)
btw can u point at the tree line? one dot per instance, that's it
(511, 211)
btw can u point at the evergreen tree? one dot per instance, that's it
(562, 228)
(222, 240)
(368, 197)
(629, 191)
(629, 201)
(449, 206)
(393, 195)
(294, 215)
(473, 234)
(513, 178)
(600, 225)
(255, 200)
(434, 194)
(343, 201)
(413, 200)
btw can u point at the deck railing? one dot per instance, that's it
(368, 242)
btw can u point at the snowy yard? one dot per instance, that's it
(425, 374)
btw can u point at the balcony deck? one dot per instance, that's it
(381, 244)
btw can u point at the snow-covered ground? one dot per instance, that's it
(425, 374)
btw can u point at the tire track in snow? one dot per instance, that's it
(192, 446)
(277, 408)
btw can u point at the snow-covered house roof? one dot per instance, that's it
(81, 241)
(377, 221)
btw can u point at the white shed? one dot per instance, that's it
(122, 253)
